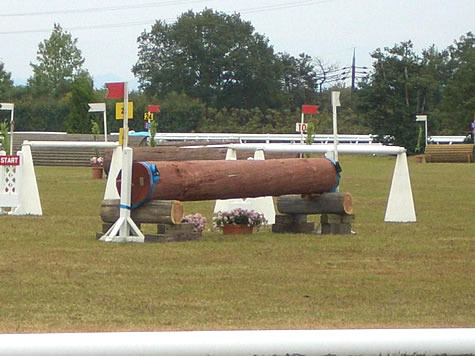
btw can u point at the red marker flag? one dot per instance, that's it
(115, 90)
(154, 108)
(309, 109)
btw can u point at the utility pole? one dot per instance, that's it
(353, 71)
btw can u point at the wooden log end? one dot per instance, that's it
(348, 204)
(176, 212)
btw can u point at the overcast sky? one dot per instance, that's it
(107, 30)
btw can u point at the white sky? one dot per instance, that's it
(328, 29)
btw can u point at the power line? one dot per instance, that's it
(146, 22)
(283, 6)
(102, 9)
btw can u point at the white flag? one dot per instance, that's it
(97, 107)
(335, 98)
(6, 106)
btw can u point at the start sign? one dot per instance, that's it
(9, 160)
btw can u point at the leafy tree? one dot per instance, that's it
(179, 113)
(390, 98)
(300, 79)
(458, 100)
(212, 56)
(6, 82)
(78, 120)
(59, 63)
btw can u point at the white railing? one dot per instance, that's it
(71, 144)
(446, 139)
(259, 138)
(259, 342)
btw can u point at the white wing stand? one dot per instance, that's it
(263, 205)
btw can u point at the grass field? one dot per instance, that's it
(55, 276)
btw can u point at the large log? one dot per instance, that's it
(328, 203)
(209, 180)
(152, 212)
(177, 153)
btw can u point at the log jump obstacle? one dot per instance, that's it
(400, 203)
(444, 341)
(19, 190)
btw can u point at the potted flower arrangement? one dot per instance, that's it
(97, 164)
(197, 220)
(238, 221)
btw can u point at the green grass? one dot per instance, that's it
(55, 276)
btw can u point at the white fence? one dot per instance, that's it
(259, 342)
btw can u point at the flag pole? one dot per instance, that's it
(12, 125)
(335, 103)
(126, 117)
(105, 124)
(124, 226)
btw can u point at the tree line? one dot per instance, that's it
(212, 72)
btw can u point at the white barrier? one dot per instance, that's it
(19, 190)
(262, 205)
(446, 139)
(259, 342)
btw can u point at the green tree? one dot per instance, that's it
(300, 80)
(6, 82)
(458, 100)
(59, 63)
(78, 120)
(390, 99)
(179, 113)
(212, 56)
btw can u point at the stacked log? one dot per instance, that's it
(336, 210)
(165, 214)
(329, 203)
(152, 212)
(210, 180)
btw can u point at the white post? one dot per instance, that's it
(105, 126)
(425, 121)
(335, 103)
(423, 118)
(12, 125)
(125, 190)
(301, 127)
(126, 116)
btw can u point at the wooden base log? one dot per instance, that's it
(152, 212)
(209, 180)
(327, 203)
